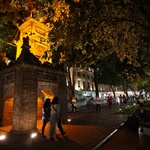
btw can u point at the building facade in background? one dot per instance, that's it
(85, 87)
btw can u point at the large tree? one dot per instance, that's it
(84, 31)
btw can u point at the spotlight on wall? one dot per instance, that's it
(2, 137)
(33, 135)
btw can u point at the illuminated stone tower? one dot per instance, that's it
(37, 33)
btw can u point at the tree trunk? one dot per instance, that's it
(133, 90)
(95, 82)
(71, 82)
(125, 88)
(113, 91)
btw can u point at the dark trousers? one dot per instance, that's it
(74, 108)
(109, 104)
(43, 127)
(98, 108)
(59, 125)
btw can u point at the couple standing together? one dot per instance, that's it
(51, 112)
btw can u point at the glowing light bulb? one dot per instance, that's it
(33, 135)
(69, 120)
(2, 137)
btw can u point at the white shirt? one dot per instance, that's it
(97, 100)
(74, 101)
(55, 108)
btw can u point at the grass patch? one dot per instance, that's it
(131, 109)
(128, 110)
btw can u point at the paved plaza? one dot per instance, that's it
(87, 130)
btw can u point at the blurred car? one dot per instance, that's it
(90, 102)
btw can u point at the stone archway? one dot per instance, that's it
(7, 112)
(29, 84)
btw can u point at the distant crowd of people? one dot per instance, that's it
(123, 100)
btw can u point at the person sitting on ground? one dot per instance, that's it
(141, 116)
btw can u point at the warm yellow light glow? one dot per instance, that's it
(76, 1)
(60, 8)
(33, 135)
(36, 31)
(2, 137)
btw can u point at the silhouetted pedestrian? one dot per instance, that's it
(109, 101)
(121, 101)
(141, 116)
(73, 105)
(46, 114)
(124, 100)
(59, 125)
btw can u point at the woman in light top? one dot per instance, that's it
(55, 118)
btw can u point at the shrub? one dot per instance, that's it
(128, 110)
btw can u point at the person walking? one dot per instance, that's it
(73, 105)
(55, 118)
(109, 101)
(98, 107)
(59, 125)
(124, 101)
(121, 102)
(46, 114)
(141, 116)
